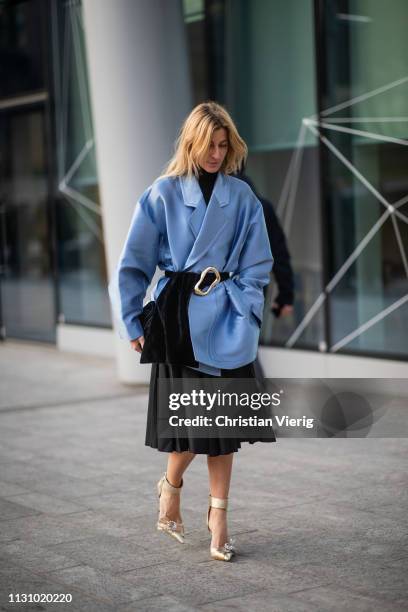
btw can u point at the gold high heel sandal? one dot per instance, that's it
(173, 528)
(221, 553)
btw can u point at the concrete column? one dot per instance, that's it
(140, 92)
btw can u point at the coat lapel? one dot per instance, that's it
(206, 221)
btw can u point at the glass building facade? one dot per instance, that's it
(318, 90)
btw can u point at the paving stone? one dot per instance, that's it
(22, 471)
(388, 584)
(70, 467)
(316, 599)
(338, 599)
(64, 487)
(53, 529)
(113, 553)
(101, 583)
(128, 503)
(9, 489)
(397, 562)
(24, 386)
(192, 584)
(33, 557)
(160, 603)
(12, 509)
(46, 503)
(261, 601)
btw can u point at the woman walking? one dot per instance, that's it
(206, 230)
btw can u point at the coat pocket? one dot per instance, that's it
(258, 321)
(237, 303)
(234, 336)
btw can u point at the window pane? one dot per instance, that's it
(81, 260)
(365, 126)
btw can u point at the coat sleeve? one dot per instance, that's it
(255, 263)
(282, 267)
(135, 270)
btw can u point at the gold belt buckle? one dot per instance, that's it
(197, 289)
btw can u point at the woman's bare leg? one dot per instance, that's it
(177, 463)
(219, 472)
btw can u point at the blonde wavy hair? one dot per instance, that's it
(194, 139)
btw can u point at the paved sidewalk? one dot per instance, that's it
(319, 524)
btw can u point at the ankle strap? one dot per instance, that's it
(169, 487)
(218, 502)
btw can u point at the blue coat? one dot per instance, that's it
(174, 229)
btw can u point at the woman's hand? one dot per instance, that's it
(137, 344)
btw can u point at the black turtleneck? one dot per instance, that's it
(206, 181)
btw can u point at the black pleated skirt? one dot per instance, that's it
(211, 446)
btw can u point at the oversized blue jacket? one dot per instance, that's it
(174, 229)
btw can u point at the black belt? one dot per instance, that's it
(167, 329)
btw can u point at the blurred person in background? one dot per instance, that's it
(282, 304)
